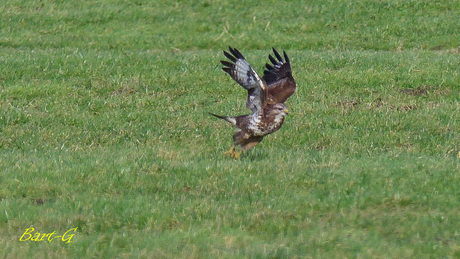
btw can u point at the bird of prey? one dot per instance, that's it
(266, 97)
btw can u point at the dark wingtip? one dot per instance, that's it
(229, 56)
(236, 53)
(226, 63)
(272, 59)
(278, 56)
(285, 56)
(227, 70)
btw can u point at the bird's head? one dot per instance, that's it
(281, 108)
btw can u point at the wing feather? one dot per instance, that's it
(272, 59)
(241, 71)
(280, 83)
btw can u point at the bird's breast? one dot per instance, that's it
(264, 125)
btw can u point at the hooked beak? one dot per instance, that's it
(286, 111)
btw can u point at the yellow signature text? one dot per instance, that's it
(37, 236)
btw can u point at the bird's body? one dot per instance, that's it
(266, 97)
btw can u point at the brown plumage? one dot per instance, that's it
(266, 97)
(280, 83)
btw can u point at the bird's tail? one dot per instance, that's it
(227, 118)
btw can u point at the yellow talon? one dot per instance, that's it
(237, 155)
(230, 152)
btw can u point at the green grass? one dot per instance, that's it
(104, 126)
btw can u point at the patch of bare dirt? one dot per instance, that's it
(421, 90)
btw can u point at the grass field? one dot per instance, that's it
(104, 127)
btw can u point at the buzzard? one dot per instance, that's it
(266, 97)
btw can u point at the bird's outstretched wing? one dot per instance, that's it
(240, 70)
(280, 83)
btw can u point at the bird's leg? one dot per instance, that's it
(230, 152)
(236, 155)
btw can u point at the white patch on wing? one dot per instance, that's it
(246, 73)
(242, 67)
